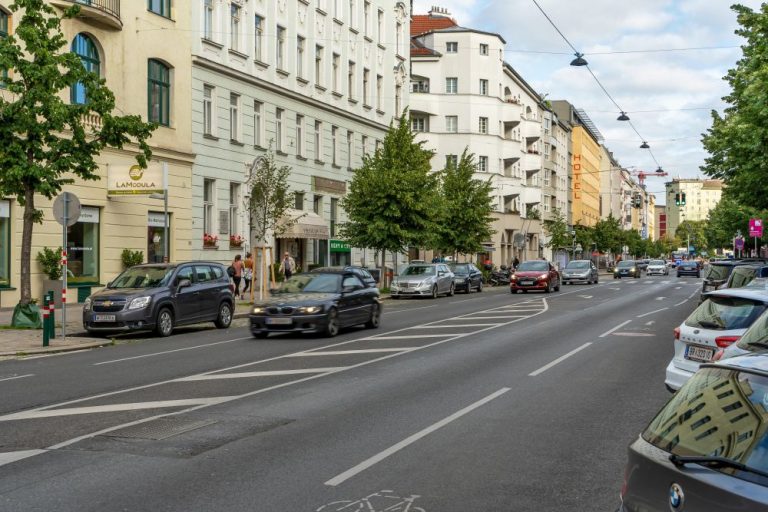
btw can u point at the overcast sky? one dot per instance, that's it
(668, 94)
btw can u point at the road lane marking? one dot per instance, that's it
(681, 302)
(559, 360)
(633, 334)
(406, 309)
(678, 287)
(409, 337)
(651, 322)
(651, 312)
(346, 352)
(660, 298)
(496, 317)
(18, 377)
(8, 457)
(271, 373)
(449, 326)
(606, 333)
(585, 296)
(171, 351)
(346, 475)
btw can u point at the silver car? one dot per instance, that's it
(579, 271)
(423, 280)
(657, 267)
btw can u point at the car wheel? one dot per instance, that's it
(332, 327)
(395, 297)
(375, 319)
(479, 287)
(548, 289)
(225, 316)
(434, 292)
(164, 323)
(261, 335)
(597, 280)
(452, 289)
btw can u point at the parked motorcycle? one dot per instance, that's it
(500, 277)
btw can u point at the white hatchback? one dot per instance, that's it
(715, 324)
(658, 267)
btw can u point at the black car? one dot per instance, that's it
(361, 272)
(466, 277)
(317, 302)
(688, 268)
(626, 268)
(161, 296)
(718, 272)
(742, 275)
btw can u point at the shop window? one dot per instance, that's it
(5, 244)
(83, 248)
(156, 237)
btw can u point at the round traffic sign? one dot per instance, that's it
(66, 208)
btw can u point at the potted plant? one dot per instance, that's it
(50, 264)
(210, 240)
(131, 258)
(236, 240)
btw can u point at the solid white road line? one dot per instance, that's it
(651, 312)
(8, 457)
(244, 375)
(341, 478)
(171, 351)
(408, 337)
(681, 302)
(495, 317)
(606, 333)
(18, 377)
(633, 334)
(346, 352)
(449, 326)
(558, 360)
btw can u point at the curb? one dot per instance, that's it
(53, 350)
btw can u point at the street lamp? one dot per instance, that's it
(164, 197)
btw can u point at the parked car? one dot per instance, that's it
(535, 275)
(657, 267)
(466, 277)
(317, 302)
(688, 268)
(754, 339)
(626, 268)
(423, 280)
(742, 275)
(361, 272)
(716, 323)
(717, 273)
(705, 449)
(580, 271)
(160, 297)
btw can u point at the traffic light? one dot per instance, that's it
(677, 199)
(682, 199)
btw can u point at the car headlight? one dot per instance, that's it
(87, 304)
(308, 310)
(616, 271)
(258, 309)
(543, 277)
(634, 269)
(140, 303)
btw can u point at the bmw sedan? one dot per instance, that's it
(317, 302)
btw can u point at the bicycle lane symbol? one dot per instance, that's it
(382, 501)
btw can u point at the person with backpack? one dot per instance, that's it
(235, 271)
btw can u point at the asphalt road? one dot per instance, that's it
(478, 402)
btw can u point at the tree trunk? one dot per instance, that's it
(26, 245)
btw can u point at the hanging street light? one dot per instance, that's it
(623, 117)
(579, 60)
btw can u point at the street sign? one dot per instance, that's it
(740, 243)
(756, 227)
(66, 209)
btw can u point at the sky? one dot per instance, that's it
(636, 50)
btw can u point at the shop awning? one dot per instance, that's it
(307, 225)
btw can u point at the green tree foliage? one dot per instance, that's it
(728, 218)
(465, 212)
(557, 229)
(270, 198)
(635, 243)
(736, 141)
(392, 199)
(585, 235)
(608, 235)
(696, 230)
(44, 143)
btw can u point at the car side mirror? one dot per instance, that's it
(184, 283)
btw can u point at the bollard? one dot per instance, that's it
(46, 336)
(51, 315)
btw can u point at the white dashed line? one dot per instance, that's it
(606, 333)
(558, 360)
(651, 312)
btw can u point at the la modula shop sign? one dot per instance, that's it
(125, 180)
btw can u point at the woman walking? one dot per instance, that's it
(247, 274)
(237, 265)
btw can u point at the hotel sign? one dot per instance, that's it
(125, 180)
(577, 177)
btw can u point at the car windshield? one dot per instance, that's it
(577, 265)
(419, 270)
(656, 263)
(725, 313)
(535, 266)
(718, 412)
(741, 277)
(718, 272)
(461, 270)
(756, 337)
(311, 283)
(689, 264)
(626, 264)
(143, 277)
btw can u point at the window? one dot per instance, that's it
(452, 47)
(420, 124)
(317, 205)
(318, 64)
(280, 48)
(334, 214)
(318, 141)
(83, 247)
(380, 27)
(451, 85)
(484, 87)
(350, 148)
(364, 144)
(336, 71)
(482, 164)
(483, 49)
(300, 56)
(546, 178)
(398, 99)
(367, 19)
(300, 135)
(483, 125)
(351, 80)
(4, 19)
(208, 109)
(334, 145)
(259, 37)
(234, 208)
(451, 160)
(161, 7)
(366, 77)
(84, 47)
(159, 85)
(258, 124)
(452, 124)
(5, 243)
(279, 129)
(298, 200)
(208, 19)
(234, 117)
(234, 27)
(398, 37)
(379, 91)
(209, 194)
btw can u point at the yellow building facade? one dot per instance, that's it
(586, 161)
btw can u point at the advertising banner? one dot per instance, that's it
(126, 180)
(756, 228)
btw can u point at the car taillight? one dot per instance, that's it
(677, 333)
(624, 483)
(726, 341)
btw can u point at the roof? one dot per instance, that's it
(741, 293)
(755, 362)
(423, 23)
(419, 50)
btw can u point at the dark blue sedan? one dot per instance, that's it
(688, 268)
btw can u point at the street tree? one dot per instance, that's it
(557, 229)
(608, 235)
(392, 199)
(585, 236)
(736, 140)
(693, 231)
(45, 143)
(465, 214)
(727, 219)
(269, 199)
(634, 242)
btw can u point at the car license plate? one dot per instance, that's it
(526, 283)
(103, 318)
(279, 321)
(699, 353)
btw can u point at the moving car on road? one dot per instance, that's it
(626, 268)
(423, 280)
(535, 275)
(317, 302)
(161, 296)
(705, 450)
(688, 268)
(657, 267)
(580, 271)
(466, 277)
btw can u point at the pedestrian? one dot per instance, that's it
(247, 274)
(237, 274)
(515, 262)
(287, 266)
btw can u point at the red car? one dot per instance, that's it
(535, 275)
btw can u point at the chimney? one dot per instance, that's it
(438, 11)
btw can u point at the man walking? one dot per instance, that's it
(288, 265)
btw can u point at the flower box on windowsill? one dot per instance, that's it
(235, 246)
(210, 246)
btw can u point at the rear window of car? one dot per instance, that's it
(721, 413)
(725, 313)
(741, 277)
(718, 272)
(756, 337)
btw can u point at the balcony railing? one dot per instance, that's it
(106, 12)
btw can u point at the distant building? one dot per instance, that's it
(660, 214)
(701, 196)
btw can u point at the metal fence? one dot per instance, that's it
(109, 6)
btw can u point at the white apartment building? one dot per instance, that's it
(317, 81)
(556, 140)
(701, 196)
(464, 95)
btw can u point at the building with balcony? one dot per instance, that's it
(138, 49)
(701, 196)
(464, 95)
(556, 152)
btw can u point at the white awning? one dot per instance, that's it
(307, 225)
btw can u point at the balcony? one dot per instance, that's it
(105, 13)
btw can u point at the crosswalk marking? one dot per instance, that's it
(243, 375)
(161, 404)
(344, 352)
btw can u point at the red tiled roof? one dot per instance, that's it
(418, 49)
(422, 23)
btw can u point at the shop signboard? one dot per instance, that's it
(340, 246)
(127, 180)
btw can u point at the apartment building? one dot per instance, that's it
(701, 196)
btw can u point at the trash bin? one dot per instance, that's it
(83, 292)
